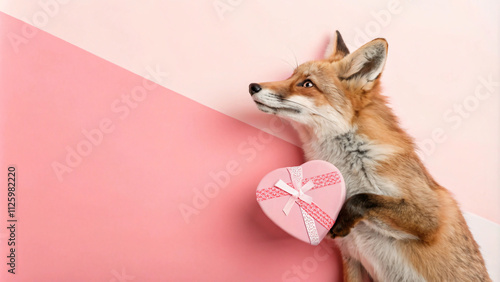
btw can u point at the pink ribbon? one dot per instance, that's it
(298, 193)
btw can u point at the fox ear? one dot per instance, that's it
(365, 65)
(336, 49)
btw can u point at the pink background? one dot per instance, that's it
(118, 211)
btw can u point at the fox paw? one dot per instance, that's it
(342, 226)
(353, 211)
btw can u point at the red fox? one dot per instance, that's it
(398, 223)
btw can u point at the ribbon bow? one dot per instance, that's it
(298, 193)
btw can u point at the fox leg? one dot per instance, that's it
(353, 270)
(396, 213)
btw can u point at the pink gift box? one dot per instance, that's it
(303, 200)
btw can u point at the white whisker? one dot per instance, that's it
(308, 108)
(288, 63)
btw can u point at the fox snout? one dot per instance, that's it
(254, 88)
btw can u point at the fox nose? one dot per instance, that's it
(254, 88)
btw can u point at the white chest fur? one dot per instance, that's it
(357, 159)
(370, 243)
(378, 254)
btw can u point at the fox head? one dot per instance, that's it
(331, 91)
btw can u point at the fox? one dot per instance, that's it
(397, 223)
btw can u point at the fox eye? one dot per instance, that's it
(307, 83)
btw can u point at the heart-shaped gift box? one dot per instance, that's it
(303, 200)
